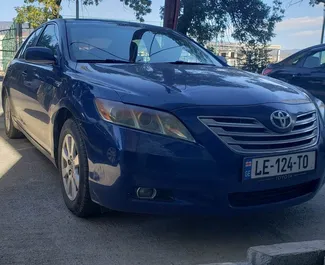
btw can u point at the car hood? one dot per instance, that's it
(169, 86)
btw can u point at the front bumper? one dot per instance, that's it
(189, 178)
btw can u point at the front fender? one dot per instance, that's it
(77, 98)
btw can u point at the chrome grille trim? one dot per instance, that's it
(221, 132)
(248, 135)
(301, 122)
(230, 141)
(211, 122)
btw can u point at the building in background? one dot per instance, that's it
(233, 52)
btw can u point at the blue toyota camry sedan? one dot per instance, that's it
(139, 118)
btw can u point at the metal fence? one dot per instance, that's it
(10, 41)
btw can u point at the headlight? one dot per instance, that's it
(143, 119)
(321, 107)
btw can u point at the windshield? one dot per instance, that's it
(124, 43)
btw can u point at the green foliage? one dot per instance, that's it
(311, 2)
(316, 2)
(255, 30)
(202, 20)
(256, 58)
(37, 12)
(211, 48)
(206, 20)
(252, 24)
(141, 7)
(90, 2)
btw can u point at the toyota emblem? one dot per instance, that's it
(281, 119)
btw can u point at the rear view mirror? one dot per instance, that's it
(223, 59)
(41, 55)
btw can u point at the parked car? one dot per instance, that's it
(140, 118)
(305, 68)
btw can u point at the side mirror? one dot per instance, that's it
(223, 59)
(41, 55)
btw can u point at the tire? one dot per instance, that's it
(10, 129)
(73, 166)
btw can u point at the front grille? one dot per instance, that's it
(246, 199)
(248, 135)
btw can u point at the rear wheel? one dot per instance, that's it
(73, 166)
(10, 129)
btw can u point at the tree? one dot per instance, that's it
(254, 31)
(252, 24)
(141, 7)
(316, 2)
(211, 48)
(37, 12)
(311, 2)
(209, 19)
(256, 57)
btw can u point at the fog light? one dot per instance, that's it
(146, 193)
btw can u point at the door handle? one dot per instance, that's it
(24, 73)
(296, 75)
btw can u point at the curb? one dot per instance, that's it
(296, 253)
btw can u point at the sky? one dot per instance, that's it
(300, 28)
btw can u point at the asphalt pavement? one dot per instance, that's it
(36, 227)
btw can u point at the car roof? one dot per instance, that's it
(311, 48)
(124, 23)
(315, 47)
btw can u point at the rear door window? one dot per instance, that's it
(294, 60)
(315, 60)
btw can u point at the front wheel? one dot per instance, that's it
(73, 166)
(10, 129)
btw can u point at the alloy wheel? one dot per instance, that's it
(70, 168)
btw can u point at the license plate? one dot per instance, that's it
(255, 168)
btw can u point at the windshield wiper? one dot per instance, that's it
(183, 62)
(102, 61)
